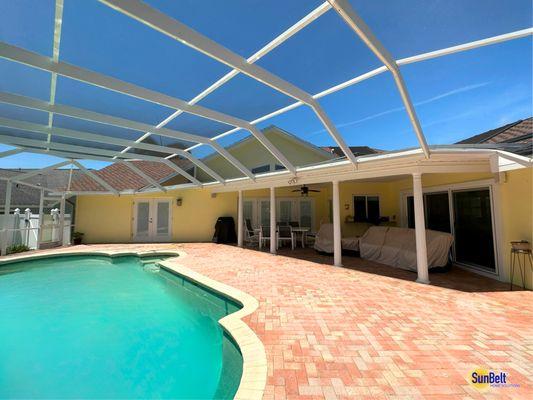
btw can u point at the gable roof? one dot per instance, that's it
(518, 135)
(25, 196)
(120, 177)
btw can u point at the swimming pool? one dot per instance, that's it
(102, 327)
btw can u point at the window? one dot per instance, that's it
(306, 214)
(366, 209)
(261, 169)
(267, 168)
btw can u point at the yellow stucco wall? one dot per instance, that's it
(252, 154)
(517, 215)
(109, 219)
(105, 218)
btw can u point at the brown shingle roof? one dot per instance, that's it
(519, 133)
(121, 177)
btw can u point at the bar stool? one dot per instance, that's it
(518, 248)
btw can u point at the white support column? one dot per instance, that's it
(273, 239)
(337, 246)
(240, 221)
(41, 220)
(420, 230)
(7, 203)
(62, 219)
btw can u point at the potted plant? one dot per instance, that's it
(77, 238)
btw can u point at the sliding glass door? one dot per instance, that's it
(467, 214)
(474, 240)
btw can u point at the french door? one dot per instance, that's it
(152, 220)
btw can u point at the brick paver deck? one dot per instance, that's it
(369, 331)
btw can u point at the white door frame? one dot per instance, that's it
(152, 220)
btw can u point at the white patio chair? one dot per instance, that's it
(250, 236)
(264, 235)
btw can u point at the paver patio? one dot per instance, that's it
(368, 331)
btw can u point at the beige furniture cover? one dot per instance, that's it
(324, 240)
(397, 247)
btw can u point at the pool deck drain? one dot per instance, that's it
(357, 332)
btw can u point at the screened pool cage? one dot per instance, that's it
(123, 80)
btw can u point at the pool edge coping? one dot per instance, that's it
(254, 367)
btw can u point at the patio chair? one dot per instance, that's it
(249, 234)
(285, 233)
(294, 224)
(264, 235)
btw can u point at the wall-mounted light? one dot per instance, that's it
(346, 206)
(179, 201)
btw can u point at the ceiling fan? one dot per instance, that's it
(304, 190)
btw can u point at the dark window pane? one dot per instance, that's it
(373, 209)
(278, 167)
(437, 212)
(260, 169)
(411, 212)
(359, 208)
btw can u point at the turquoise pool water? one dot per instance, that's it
(100, 327)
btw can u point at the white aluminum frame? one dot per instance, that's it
(173, 28)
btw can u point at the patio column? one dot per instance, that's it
(420, 230)
(273, 241)
(7, 204)
(41, 220)
(62, 219)
(240, 221)
(337, 246)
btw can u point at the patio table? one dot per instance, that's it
(302, 231)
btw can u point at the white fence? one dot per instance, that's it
(23, 229)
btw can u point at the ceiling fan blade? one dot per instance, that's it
(314, 190)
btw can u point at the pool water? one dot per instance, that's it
(101, 327)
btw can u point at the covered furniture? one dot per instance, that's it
(397, 247)
(324, 240)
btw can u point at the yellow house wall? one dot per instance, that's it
(109, 219)
(253, 154)
(105, 218)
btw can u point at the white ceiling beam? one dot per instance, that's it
(35, 60)
(467, 46)
(83, 151)
(287, 34)
(171, 27)
(347, 13)
(93, 137)
(11, 152)
(377, 71)
(38, 171)
(147, 178)
(95, 177)
(73, 112)
(58, 22)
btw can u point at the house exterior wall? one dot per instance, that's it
(106, 218)
(252, 154)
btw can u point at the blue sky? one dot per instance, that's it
(455, 96)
